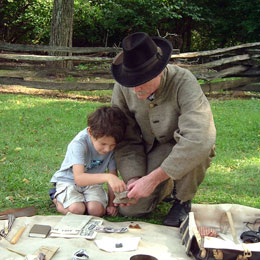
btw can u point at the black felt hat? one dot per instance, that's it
(142, 59)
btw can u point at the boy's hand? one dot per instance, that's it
(112, 211)
(116, 184)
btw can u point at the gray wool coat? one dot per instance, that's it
(180, 115)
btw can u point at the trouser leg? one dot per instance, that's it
(187, 187)
(146, 205)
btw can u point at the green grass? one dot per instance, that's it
(35, 132)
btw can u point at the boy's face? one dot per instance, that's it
(104, 144)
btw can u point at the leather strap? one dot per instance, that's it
(18, 212)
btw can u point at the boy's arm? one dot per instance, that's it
(111, 194)
(111, 208)
(86, 179)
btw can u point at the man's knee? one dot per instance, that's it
(141, 208)
(187, 187)
(129, 211)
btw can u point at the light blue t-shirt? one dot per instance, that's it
(81, 151)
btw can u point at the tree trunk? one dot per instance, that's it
(62, 29)
(188, 34)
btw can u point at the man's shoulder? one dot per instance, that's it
(121, 90)
(173, 68)
(177, 73)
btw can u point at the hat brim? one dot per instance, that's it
(127, 79)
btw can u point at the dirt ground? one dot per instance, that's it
(29, 72)
(7, 89)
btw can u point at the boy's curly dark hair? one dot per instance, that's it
(108, 121)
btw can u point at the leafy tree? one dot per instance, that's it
(26, 21)
(87, 27)
(227, 23)
(109, 21)
(190, 24)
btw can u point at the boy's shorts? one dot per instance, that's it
(68, 193)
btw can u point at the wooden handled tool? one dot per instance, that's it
(17, 235)
(233, 230)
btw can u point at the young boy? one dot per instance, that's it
(79, 181)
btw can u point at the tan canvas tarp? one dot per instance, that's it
(160, 241)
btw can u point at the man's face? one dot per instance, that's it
(145, 90)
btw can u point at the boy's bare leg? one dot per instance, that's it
(95, 208)
(75, 208)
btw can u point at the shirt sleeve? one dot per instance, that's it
(112, 164)
(76, 153)
(196, 131)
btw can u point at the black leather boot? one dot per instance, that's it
(171, 197)
(177, 213)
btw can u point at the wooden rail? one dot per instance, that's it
(27, 65)
(45, 48)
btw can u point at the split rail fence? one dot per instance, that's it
(29, 66)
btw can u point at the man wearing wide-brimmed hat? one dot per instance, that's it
(170, 136)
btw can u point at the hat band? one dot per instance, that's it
(146, 66)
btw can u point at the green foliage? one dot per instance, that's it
(87, 24)
(25, 21)
(117, 18)
(107, 22)
(122, 17)
(96, 23)
(194, 25)
(227, 23)
(36, 131)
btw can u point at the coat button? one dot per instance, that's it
(153, 105)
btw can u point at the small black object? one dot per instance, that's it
(118, 245)
(80, 255)
(52, 192)
(250, 236)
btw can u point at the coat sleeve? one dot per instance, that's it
(129, 154)
(196, 131)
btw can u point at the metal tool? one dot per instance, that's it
(111, 229)
(8, 226)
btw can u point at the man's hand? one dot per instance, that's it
(141, 188)
(144, 186)
(132, 180)
(128, 183)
